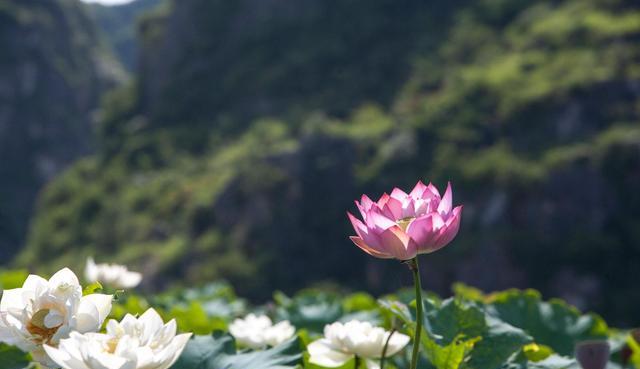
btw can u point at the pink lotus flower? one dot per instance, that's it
(403, 225)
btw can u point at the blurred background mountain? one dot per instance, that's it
(245, 129)
(53, 71)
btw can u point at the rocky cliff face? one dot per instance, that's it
(52, 74)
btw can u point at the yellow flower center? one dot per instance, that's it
(404, 222)
(112, 344)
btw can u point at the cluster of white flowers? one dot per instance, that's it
(259, 331)
(342, 342)
(56, 324)
(59, 326)
(113, 275)
(145, 342)
(43, 312)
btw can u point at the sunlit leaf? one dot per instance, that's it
(454, 318)
(535, 352)
(448, 356)
(634, 359)
(94, 287)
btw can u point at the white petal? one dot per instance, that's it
(177, 345)
(235, 329)
(397, 342)
(87, 317)
(252, 331)
(166, 333)
(129, 325)
(127, 347)
(13, 332)
(101, 302)
(63, 358)
(324, 354)
(279, 333)
(130, 279)
(34, 283)
(114, 329)
(152, 323)
(65, 280)
(12, 300)
(53, 319)
(40, 356)
(71, 345)
(147, 359)
(62, 332)
(100, 360)
(91, 271)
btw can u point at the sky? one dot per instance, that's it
(108, 2)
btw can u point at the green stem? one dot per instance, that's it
(413, 265)
(384, 349)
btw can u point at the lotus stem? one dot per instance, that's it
(413, 265)
(384, 349)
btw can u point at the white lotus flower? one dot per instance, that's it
(142, 343)
(43, 312)
(114, 275)
(342, 342)
(256, 332)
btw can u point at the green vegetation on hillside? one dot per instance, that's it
(237, 149)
